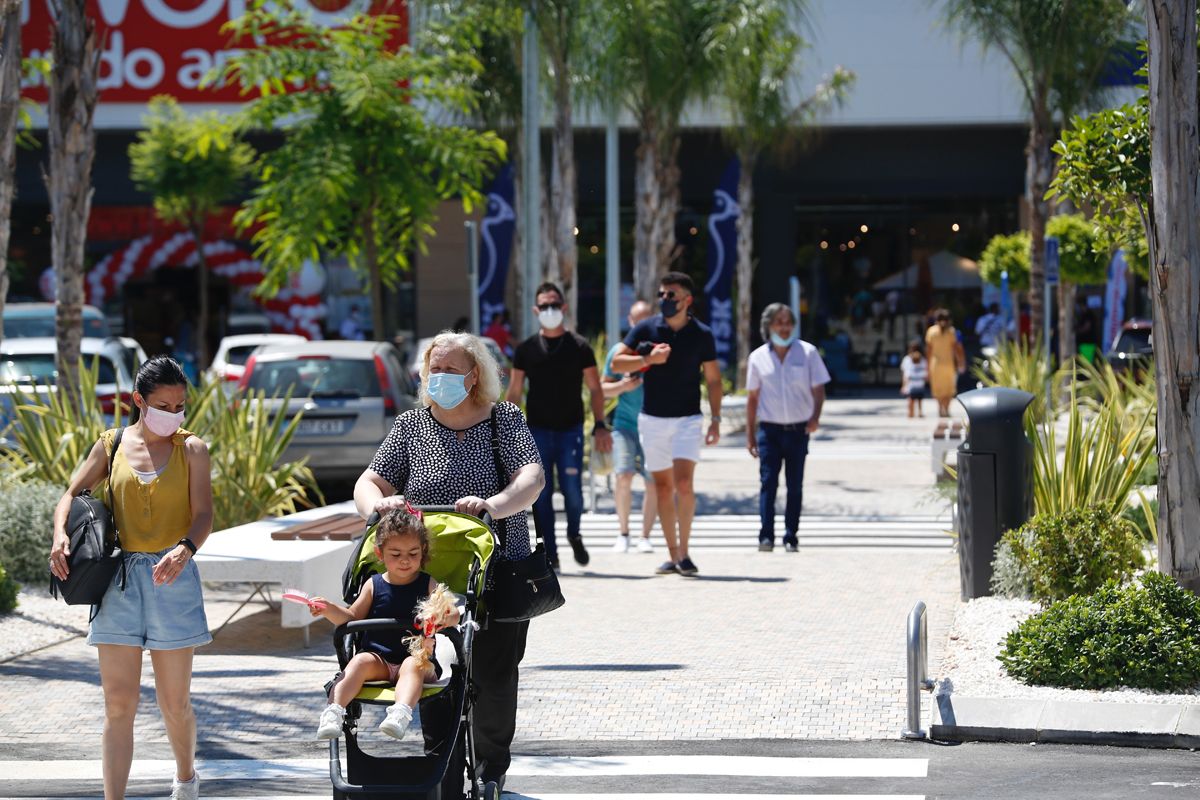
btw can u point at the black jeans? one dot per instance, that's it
(497, 654)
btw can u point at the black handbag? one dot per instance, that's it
(519, 590)
(95, 547)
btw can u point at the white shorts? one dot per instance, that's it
(665, 439)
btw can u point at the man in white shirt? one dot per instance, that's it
(990, 327)
(785, 379)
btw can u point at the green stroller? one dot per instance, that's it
(461, 547)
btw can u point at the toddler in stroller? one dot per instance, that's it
(402, 545)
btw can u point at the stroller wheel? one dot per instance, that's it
(491, 791)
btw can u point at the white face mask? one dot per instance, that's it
(551, 318)
(162, 423)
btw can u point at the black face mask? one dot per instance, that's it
(669, 307)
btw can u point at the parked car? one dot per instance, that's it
(1134, 346)
(240, 323)
(28, 365)
(131, 353)
(234, 351)
(349, 392)
(414, 367)
(24, 320)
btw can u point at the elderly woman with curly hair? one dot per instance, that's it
(442, 455)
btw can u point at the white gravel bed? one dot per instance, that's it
(970, 668)
(39, 621)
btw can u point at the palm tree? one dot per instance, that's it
(72, 139)
(658, 56)
(10, 98)
(760, 54)
(1057, 48)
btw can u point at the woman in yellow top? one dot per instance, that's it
(162, 495)
(946, 359)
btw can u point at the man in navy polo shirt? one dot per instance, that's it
(674, 349)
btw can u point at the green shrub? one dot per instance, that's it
(8, 592)
(1009, 576)
(1075, 552)
(26, 528)
(1143, 636)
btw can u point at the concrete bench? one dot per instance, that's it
(947, 436)
(307, 550)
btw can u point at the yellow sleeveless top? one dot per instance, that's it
(150, 516)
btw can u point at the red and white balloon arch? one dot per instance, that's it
(298, 308)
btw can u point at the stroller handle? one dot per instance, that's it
(373, 520)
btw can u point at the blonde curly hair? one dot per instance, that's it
(487, 388)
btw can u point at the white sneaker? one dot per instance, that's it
(186, 790)
(330, 726)
(622, 543)
(396, 720)
(644, 546)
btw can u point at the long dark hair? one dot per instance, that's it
(156, 372)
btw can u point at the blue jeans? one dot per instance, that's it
(778, 447)
(562, 456)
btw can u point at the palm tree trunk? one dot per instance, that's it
(1038, 170)
(72, 141)
(745, 263)
(647, 199)
(1066, 321)
(374, 275)
(668, 209)
(563, 193)
(1174, 235)
(200, 347)
(10, 90)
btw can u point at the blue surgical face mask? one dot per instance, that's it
(780, 341)
(447, 389)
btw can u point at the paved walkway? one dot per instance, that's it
(763, 645)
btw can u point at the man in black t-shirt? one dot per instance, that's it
(558, 363)
(673, 349)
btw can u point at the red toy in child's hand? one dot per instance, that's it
(297, 596)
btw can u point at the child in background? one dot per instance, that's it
(402, 544)
(914, 377)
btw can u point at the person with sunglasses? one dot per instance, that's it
(558, 363)
(674, 349)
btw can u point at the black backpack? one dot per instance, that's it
(95, 547)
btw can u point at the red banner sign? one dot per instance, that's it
(154, 47)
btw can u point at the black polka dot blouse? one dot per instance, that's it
(427, 463)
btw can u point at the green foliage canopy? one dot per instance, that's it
(189, 164)
(1081, 258)
(1007, 252)
(362, 167)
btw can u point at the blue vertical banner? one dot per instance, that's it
(1114, 299)
(722, 261)
(495, 245)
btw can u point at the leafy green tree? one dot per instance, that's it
(190, 165)
(658, 55)
(72, 145)
(1057, 49)
(1006, 252)
(362, 166)
(1081, 260)
(758, 53)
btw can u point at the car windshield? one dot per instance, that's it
(1134, 340)
(324, 377)
(39, 368)
(240, 354)
(25, 327)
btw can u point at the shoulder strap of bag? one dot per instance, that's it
(112, 506)
(501, 474)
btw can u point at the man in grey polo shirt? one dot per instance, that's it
(785, 381)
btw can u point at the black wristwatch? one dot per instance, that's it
(599, 426)
(188, 543)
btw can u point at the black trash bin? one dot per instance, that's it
(995, 480)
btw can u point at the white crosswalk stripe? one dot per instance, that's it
(741, 530)
(302, 774)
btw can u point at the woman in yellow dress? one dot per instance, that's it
(946, 359)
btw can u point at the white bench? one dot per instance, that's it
(249, 554)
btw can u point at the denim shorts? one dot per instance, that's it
(627, 453)
(166, 617)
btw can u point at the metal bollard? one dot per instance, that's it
(918, 670)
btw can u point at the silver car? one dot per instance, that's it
(350, 393)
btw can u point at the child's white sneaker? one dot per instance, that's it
(330, 726)
(644, 546)
(186, 790)
(622, 543)
(395, 721)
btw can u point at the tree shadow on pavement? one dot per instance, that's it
(740, 579)
(605, 667)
